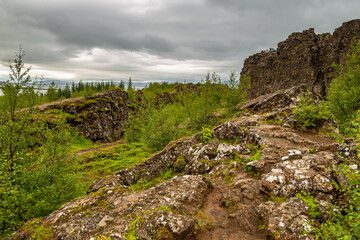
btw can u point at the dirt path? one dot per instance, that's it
(232, 222)
(231, 207)
(98, 148)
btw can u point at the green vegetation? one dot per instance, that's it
(344, 93)
(38, 172)
(35, 174)
(312, 205)
(34, 229)
(170, 111)
(344, 220)
(79, 89)
(206, 134)
(98, 164)
(203, 222)
(308, 114)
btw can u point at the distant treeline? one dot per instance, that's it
(81, 89)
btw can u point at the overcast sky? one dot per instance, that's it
(154, 40)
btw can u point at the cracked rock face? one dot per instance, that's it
(303, 58)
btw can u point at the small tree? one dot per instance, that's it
(51, 93)
(344, 91)
(236, 92)
(33, 153)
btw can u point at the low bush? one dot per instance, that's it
(308, 114)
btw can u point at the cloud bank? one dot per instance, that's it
(157, 40)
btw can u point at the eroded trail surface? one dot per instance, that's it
(240, 185)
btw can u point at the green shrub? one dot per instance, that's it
(344, 222)
(35, 173)
(344, 91)
(312, 205)
(308, 114)
(206, 134)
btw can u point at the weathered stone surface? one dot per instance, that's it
(164, 210)
(293, 176)
(286, 221)
(303, 58)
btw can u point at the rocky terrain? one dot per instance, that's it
(245, 183)
(240, 185)
(303, 58)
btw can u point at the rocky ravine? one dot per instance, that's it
(221, 191)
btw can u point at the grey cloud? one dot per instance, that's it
(52, 32)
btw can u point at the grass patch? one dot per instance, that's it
(149, 183)
(80, 142)
(95, 165)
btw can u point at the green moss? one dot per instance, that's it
(131, 232)
(277, 199)
(86, 103)
(120, 101)
(180, 163)
(71, 105)
(83, 115)
(139, 173)
(78, 120)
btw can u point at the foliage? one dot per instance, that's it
(203, 221)
(98, 164)
(34, 160)
(34, 229)
(344, 222)
(206, 134)
(169, 111)
(344, 91)
(236, 93)
(155, 127)
(308, 114)
(79, 89)
(312, 205)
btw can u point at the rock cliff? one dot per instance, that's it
(101, 117)
(303, 58)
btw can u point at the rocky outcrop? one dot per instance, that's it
(101, 117)
(304, 58)
(244, 184)
(163, 212)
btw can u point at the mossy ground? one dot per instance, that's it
(95, 165)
